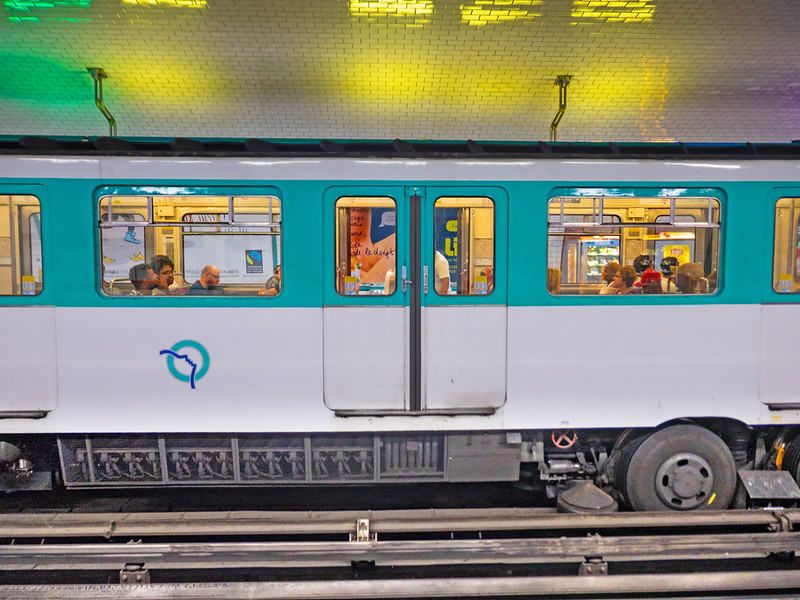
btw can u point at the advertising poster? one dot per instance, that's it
(373, 244)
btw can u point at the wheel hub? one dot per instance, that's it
(684, 481)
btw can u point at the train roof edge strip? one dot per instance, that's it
(423, 149)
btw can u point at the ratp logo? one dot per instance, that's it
(192, 361)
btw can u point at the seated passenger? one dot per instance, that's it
(691, 279)
(273, 285)
(143, 279)
(164, 268)
(553, 281)
(207, 284)
(669, 268)
(650, 282)
(609, 270)
(623, 281)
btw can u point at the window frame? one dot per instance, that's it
(197, 192)
(717, 203)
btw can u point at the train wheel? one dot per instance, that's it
(683, 467)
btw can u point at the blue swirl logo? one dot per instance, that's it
(196, 369)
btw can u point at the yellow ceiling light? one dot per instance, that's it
(612, 11)
(485, 12)
(414, 12)
(176, 3)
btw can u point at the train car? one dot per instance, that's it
(188, 313)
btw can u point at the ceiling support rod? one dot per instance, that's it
(98, 74)
(562, 81)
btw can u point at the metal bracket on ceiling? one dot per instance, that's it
(98, 74)
(562, 81)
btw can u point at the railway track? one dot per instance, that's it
(473, 553)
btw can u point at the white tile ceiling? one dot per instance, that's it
(648, 70)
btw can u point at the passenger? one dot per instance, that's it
(609, 270)
(553, 281)
(650, 282)
(442, 273)
(669, 267)
(690, 279)
(143, 279)
(207, 284)
(164, 269)
(624, 280)
(273, 285)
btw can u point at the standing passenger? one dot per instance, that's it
(441, 270)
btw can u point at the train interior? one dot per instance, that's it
(20, 246)
(238, 235)
(586, 233)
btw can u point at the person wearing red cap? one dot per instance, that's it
(650, 282)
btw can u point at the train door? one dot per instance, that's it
(28, 332)
(415, 300)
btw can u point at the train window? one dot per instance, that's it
(20, 246)
(786, 264)
(366, 246)
(463, 230)
(190, 245)
(632, 245)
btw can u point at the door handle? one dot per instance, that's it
(425, 279)
(403, 281)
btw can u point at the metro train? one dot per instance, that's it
(253, 313)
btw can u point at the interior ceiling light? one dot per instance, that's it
(176, 3)
(611, 11)
(485, 12)
(416, 11)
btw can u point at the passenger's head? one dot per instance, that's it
(625, 277)
(164, 269)
(209, 277)
(553, 281)
(642, 262)
(668, 266)
(650, 282)
(688, 278)
(609, 270)
(143, 278)
(277, 271)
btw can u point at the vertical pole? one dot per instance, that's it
(562, 81)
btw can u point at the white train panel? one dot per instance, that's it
(28, 360)
(366, 358)
(264, 370)
(779, 382)
(464, 357)
(580, 366)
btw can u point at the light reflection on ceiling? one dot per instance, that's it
(610, 11)
(646, 70)
(486, 12)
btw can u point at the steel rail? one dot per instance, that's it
(534, 587)
(248, 523)
(322, 554)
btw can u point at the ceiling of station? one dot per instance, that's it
(642, 70)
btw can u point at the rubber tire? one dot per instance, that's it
(661, 447)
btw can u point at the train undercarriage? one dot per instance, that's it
(682, 465)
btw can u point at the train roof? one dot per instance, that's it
(117, 146)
